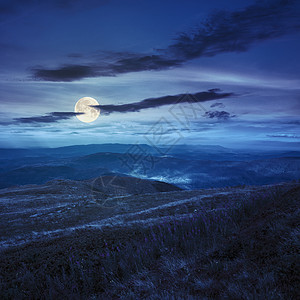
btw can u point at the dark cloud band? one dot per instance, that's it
(161, 101)
(222, 32)
(54, 117)
(48, 118)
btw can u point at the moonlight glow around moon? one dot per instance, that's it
(90, 114)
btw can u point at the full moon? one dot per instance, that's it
(90, 114)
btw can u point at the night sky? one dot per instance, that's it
(237, 60)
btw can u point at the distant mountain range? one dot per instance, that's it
(188, 167)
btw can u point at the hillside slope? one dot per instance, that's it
(59, 240)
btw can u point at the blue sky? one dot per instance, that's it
(240, 60)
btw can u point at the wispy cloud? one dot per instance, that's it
(161, 101)
(52, 117)
(284, 135)
(218, 104)
(236, 31)
(222, 32)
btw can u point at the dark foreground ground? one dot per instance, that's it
(59, 241)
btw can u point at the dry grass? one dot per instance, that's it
(229, 245)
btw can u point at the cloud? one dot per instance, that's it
(143, 63)
(65, 73)
(284, 135)
(110, 65)
(222, 32)
(52, 117)
(218, 104)
(236, 31)
(165, 100)
(220, 115)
